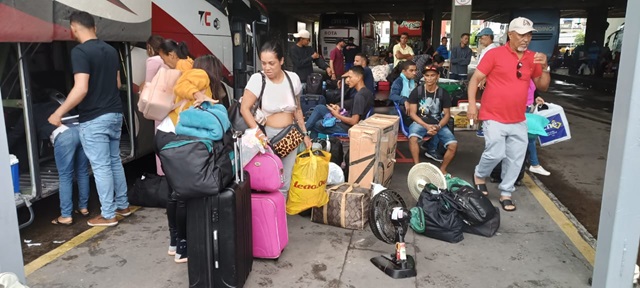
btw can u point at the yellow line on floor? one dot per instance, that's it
(561, 219)
(54, 254)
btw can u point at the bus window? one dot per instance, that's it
(220, 4)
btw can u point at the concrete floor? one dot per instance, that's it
(530, 250)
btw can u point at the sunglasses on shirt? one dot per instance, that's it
(518, 73)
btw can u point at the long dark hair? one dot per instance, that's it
(274, 47)
(213, 66)
(181, 49)
(155, 41)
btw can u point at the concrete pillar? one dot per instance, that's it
(460, 22)
(437, 25)
(427, 24)
(618, 235)
(596, 25)
(10, 249)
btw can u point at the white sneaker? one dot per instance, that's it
(539, 170)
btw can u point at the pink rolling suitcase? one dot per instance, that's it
(269, 219)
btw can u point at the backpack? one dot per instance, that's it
(314, 84)
(156, 99)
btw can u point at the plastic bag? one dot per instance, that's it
(251, 146)
(455, 181)
(336, 175)
(309, 181)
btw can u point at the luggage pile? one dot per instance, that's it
(369, 158)
(444, 214)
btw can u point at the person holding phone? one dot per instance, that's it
(359, 107)
(508, 71)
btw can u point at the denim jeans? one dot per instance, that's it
(101, 142)
(70, 161)
(533, 151)
(314, 123)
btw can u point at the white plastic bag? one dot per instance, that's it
(336, 176)
(251, 146)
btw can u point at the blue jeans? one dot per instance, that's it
(444, 135)
(454, 76)
(101, 142)
(314, 122)
(70, 161)
(533, 151)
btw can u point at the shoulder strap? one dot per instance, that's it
(264, 84)
(295, 97)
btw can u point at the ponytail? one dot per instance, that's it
(180, 49)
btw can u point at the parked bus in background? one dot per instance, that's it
(35, 65)
(336, 26)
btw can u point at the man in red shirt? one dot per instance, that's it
(507, 71)
(336, 61)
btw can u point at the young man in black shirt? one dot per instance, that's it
(95, 91)
(303, 57)
(429, 108)
(350, 51)
(360, 106)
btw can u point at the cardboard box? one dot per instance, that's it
(386, 145)
(364, 153)
(459, 115)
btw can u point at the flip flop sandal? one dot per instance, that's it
(507, 202)
(481, 187)
(86, 213)
(57, 222)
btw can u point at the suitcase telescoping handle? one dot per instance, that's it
(237, 146)
(342, 92)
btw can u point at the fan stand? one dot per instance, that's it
(400, 265)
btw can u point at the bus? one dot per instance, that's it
(35, 65)
(336, 26)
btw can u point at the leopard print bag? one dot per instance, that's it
(287, 140)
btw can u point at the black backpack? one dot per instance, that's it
(314, 84)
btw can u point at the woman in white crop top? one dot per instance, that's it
(278, 103)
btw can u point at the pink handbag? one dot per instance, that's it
(266, 172)
(157, 98)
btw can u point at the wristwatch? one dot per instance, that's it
(307, 133)
(548, 70)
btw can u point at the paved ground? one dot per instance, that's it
(529, 251)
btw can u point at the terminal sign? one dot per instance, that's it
(463, 2)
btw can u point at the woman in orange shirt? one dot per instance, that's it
(176, 56)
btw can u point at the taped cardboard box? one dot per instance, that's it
(388, 144)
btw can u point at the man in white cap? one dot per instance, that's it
(508, 71)
(302, 56)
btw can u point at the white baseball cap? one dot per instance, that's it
(302, 34)
(521, 25)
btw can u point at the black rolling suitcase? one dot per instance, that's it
(219, 235)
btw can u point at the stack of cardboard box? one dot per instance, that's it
(372, 151)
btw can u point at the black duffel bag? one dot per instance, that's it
(441, 219)
(198, 167)
(486, 229)
(474, 207)
(150, 190)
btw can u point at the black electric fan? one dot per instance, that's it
(389, 220)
